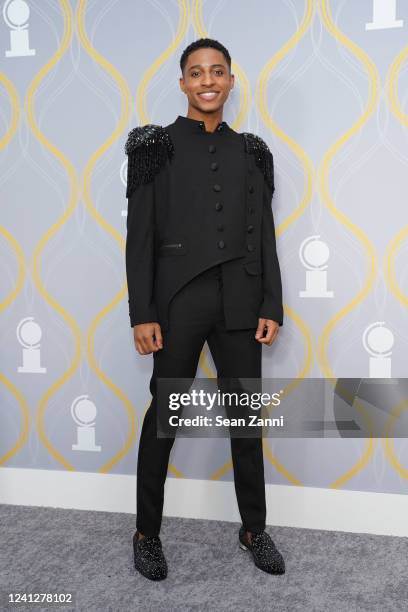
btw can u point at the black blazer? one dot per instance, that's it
(196, 200)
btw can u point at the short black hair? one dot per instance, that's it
(203, 43)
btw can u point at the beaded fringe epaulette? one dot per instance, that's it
(147, 147)
(263, 157)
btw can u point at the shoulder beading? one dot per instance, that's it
(148, 147)
(263, 157)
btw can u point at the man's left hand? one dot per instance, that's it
(270, 327)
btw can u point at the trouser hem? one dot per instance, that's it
(147, 532)
(254, 528)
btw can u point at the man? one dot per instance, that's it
(201, 266)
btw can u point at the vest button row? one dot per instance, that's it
(250, 210)
(217, 187)
(212, 148)
(221, 244)
(250, 247)
(250, 228)
(218, 206)
(220, 228)
(214, 166)
(251, 189)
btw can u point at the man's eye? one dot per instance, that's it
(220, 72)
(193, 73)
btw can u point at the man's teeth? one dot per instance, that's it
(208, 95)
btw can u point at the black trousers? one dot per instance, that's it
(196, 316)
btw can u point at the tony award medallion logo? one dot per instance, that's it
(83, 412)
(29, 336)
(314, 255)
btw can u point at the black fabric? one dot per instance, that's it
(196, 315)
(207, 203)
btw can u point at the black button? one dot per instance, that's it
(220, 228)
(214, 166)
(221, 244)
(217, 187)
(251, 189)
(212, 148)
(250, 210)
(250, 247)
(218, 206)
(202, 125)
(250, 228)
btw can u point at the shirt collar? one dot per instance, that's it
(196, 125)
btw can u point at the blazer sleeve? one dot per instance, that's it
(148, 148)
(271, 307)
(140, 254)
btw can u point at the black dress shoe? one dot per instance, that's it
(266, 555)
(149, 558)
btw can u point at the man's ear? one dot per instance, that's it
(181, 82)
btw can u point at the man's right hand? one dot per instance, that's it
(148, 338)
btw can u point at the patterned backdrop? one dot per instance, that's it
(325, 83)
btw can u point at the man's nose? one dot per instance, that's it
(207, 79)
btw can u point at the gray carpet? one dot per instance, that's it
(90, 554)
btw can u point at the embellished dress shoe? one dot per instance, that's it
(149, 558)
(266, 555)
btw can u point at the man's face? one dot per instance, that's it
(206, 72)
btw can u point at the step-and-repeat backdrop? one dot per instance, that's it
(325, 83)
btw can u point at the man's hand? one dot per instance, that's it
(148, 338)
(272, 329)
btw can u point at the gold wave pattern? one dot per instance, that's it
(141, 94)
(396, 243)
(21, 272)
(9, 299)
(73, 200)
(262, 104)
(372, 101)
(86, 181)
(141, 98)
(26, 421)
(392, 87)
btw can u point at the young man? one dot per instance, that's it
(201, 266)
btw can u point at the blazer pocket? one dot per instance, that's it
(172, 248)
(253, 267)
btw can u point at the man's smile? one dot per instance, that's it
(208, 95)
